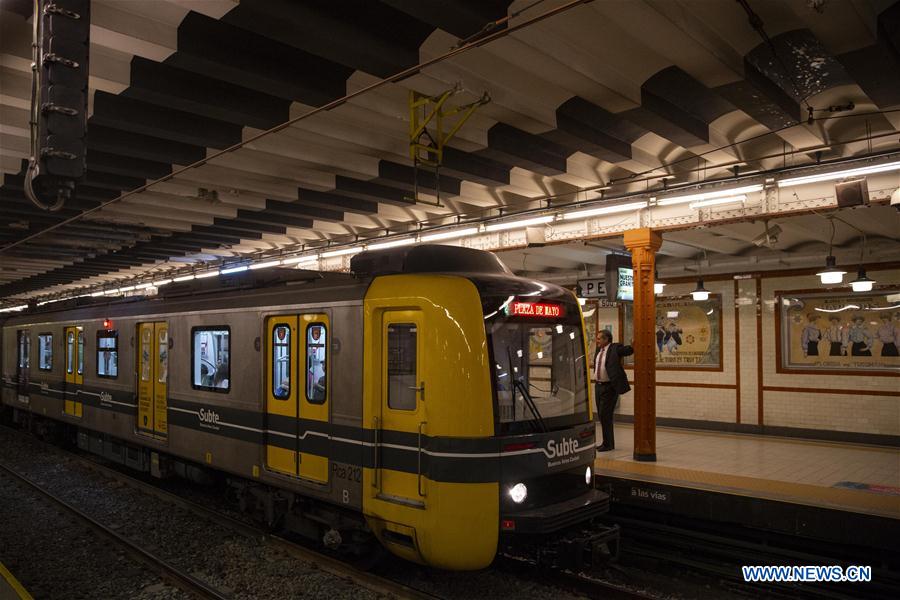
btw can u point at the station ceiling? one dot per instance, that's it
(610, 92)
(863, 235)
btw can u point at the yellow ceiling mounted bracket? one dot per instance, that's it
(426, 146)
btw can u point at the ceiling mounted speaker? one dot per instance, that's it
(536, 236)
(852, 193)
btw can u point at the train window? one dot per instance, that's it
(80, 352)
(108, 353)
(162, 370)
(45, 351)
(281, 361)
(210, 356)
(401, 366)
(316, 363)
(146, 344)
(70, 352)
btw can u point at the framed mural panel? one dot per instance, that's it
(688, 333)
(842, 331)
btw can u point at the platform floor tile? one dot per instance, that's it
(851, 477)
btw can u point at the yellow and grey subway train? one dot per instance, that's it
(429, 399)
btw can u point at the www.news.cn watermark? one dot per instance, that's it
(806, 574)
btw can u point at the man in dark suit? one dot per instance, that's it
(611, 381)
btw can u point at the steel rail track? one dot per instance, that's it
(574, 582)
(323, 562)
(579, 583)
(161, 567)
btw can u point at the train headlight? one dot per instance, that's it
(588, 476)
(518, 493)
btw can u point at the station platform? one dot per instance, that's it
(10, 588)
(831, 491)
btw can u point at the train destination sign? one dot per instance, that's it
(535, 309)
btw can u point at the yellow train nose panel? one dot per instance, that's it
(426, 377)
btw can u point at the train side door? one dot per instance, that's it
(153, 377)
(23, 363)
(282, 451)
(399, 478)
(297, 395)
(74, 370)
(315, 340)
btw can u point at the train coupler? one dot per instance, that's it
(582, 549)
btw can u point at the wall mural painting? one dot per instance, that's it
(589, 312)
(844, 331)
(688, 333)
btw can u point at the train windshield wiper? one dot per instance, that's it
(519, 384)
(523, 389)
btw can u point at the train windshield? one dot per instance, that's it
(539, 374)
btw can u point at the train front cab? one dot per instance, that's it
(452, 433)
(544, 423)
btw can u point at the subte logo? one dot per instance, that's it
(562, 448)
(208, 418)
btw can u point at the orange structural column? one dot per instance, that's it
(643, 244)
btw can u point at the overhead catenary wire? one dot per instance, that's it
(494, 25)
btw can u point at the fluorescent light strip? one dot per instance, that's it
(143, 286)
(265, 265)
(391, 244)
(884, 168)
(749, 189)
(240, 269)
(183, 278)
(212, 273)
(605, 210)
(126, 289)
(450, 235)
(299, 259)
(717, 201)
(14, 308)
(95, 294)
(520, 223)
(162, 282)
(342, 252)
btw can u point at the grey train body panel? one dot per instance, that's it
(244, 311)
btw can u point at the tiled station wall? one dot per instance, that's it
(749, 390)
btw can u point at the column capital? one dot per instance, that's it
(643, 238)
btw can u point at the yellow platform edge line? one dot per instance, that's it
(796, 493)
(14, 583)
